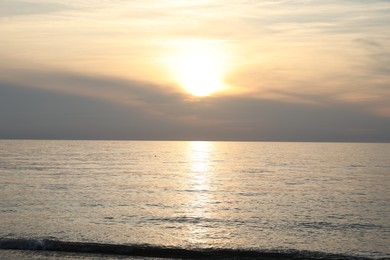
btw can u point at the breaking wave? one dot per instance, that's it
(168, 252)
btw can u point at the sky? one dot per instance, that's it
(234, 70)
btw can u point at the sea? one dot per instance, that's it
(194, 200)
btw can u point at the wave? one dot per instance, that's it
(168, 252)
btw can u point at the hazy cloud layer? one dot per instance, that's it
(10, 8)
(151, 112)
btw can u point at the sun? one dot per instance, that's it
(199, 66)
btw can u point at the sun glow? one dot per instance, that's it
(200, 66)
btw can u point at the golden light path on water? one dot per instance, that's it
(199, 178)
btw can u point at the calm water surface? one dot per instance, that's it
(326, 197)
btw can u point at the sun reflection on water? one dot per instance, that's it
(199, 175)
(199, 156)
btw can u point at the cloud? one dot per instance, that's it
(39, 113)
(117, 91)
(9, 8)
(370, 43)
(153, 112)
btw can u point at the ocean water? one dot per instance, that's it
(156, 199)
